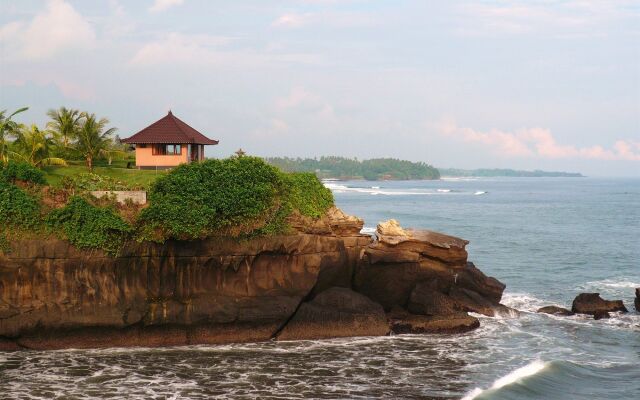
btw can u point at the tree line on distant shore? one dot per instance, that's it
(506, 172)
(352, 168)
(69, 135)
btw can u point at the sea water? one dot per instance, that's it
(547, 239)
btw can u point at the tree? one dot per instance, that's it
(93, 140)
(35, 147)
(7, 127)
(65, 123)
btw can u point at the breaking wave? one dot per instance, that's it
(512, 377)
(557, 380)
(377, 190)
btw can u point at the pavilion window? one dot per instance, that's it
(167, 149)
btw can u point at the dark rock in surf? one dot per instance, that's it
(590, 303)
(555, 310)
(336, 312)
(637, 299)
(402, 322)
(601, 315)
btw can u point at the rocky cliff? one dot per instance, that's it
(327, 280)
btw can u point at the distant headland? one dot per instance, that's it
(495, 172)
(333, 167)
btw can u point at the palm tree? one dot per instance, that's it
(93, 140)
(7, 127)
(35, 147)
(64, 122)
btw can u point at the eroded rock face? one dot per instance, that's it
(327, 280)
(219, 284)
(592, 303)
(336, 312)
(394, 266)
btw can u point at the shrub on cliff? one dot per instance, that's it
(236, 196)
(88, 226)
(308, 195)
(200, 199)
(21, 171)
(17, 208)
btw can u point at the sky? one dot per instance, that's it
(551, 85)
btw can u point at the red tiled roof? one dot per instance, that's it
(169, 129)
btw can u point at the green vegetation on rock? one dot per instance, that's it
(234, 196)
(133, 179)
(308, 195)
(21, 171)
(348, 168)
(88, 226)
(18, 209)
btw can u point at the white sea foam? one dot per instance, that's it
(523, 301)
(453, 178)
(612, 283)
(367, 230)
(377, 190)
(512, 377)
(480, 192)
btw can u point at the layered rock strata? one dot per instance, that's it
(326, 280)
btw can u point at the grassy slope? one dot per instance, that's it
(118, 170)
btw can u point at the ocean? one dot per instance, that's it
(547, 239)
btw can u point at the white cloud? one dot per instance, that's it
(553, 17)
(161, 5)
(292, 20)
(301, 100)
(539, 142)
(58, 28)
(176, 48)
(209, 50)
(331, 19)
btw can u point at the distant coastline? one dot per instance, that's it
(343, 168)
(502, 172)
(391, 169)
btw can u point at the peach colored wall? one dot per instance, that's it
(145, 158)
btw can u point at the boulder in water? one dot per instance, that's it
(402, 322)
(590, 303)
(555, 310)
(601, 315)
(637, 300)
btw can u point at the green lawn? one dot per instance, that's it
(118, 170)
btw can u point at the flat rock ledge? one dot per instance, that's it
(403, 322)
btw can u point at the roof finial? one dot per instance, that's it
(169, 112)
